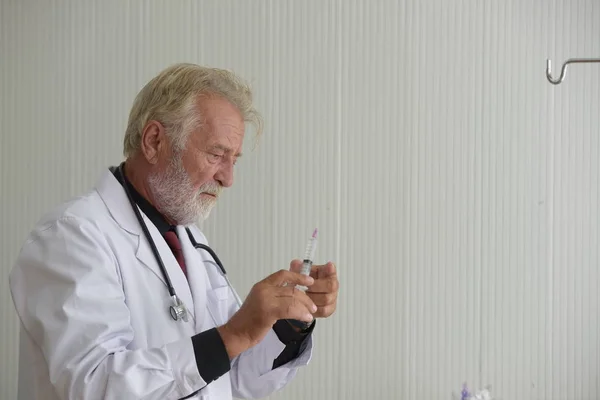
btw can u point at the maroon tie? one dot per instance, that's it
(175, 245)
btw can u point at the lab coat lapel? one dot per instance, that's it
(178, 279)
(197, 277)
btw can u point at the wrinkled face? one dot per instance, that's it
(186, 184)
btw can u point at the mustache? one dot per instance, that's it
(211, 188)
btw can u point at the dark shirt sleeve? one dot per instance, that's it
(211, 356)
(295, 342)
(212, 359)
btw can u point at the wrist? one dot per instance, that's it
(235, 343)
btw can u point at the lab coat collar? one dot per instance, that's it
(114, 197)
(147, 208)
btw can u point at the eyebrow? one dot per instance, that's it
(225, 149)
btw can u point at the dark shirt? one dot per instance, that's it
(211, 356)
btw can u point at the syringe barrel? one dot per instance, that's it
(309, 254)
(311, 247)
(306, 267)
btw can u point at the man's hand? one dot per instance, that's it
(324, 291)
(271, 299)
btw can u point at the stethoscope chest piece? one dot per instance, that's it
(178, 310)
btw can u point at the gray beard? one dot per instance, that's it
(176, 198)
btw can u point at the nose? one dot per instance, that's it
(225, 175)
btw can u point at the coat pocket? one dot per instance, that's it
(218, 304)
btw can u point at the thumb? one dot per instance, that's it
(296, 266)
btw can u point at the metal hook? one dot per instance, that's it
(563, 71)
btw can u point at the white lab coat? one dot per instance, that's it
(93, 306)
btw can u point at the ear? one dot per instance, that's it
(154, 140)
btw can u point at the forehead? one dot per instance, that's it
(222, 125)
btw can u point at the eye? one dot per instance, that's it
(213, 157)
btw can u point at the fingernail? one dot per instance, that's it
(314, 308)
(309, 317)
(311, 280)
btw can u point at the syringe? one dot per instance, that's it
(309, 254)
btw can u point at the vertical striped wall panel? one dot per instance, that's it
(454, 186)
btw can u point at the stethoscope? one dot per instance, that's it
(177, 309)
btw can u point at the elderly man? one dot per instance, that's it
(117, 293)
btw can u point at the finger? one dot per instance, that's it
(297, 295)
(297, 313)
(322, 271)
(325, 285)
(296, 266)
(326, 270)
(325, 311)
(289, 278)
(314, 271)
(323, 299)
(296, 306)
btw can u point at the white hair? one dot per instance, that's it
(171, 99)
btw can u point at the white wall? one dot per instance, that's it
(454, 186)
